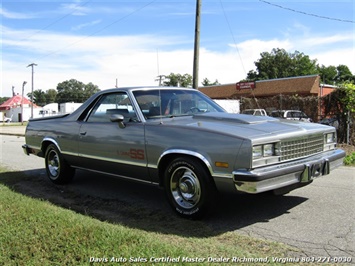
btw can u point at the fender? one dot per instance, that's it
(187, 152)
(51, 140)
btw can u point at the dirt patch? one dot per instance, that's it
(349, 149)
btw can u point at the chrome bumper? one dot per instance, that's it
(26, 149)
(299, 172)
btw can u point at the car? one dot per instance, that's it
(260, 112)
(291, 115)
(7, 119)
(181, 140)
(331, 121)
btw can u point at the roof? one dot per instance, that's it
(14, 102)
(305, 85)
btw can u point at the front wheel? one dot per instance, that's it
(58, 171)
(189, 187)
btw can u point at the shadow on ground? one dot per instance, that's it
(144, 206)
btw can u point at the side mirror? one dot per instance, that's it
(119, 119)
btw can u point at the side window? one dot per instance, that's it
(296, 115)
(110, 104)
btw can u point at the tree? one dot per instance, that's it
(344, 74)
(39, 97)
(341, 103)
(280, 64)
(178, 80)
(74, 91)
(335, 75)
(349, 96)
(3, 99)
(327, 74)
(51, 95)
(207, 82)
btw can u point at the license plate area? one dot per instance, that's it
(314, 170)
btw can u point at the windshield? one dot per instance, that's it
(173, 103)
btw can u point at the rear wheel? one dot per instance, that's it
(189, 187)
(58, 171)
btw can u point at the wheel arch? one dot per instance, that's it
(46, 142)
(170, 155)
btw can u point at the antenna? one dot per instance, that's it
(161, 114)
(158, 62)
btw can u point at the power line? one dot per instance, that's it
(308, 14)
(101, 29)
(57, 20)
(93, 33)
(231, 32)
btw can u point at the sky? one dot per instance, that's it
(131, 43)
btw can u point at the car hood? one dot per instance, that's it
(253, 127)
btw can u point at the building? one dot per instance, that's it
(265, 90)
(17, 109)
(302, 86)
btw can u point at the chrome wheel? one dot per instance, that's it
(57, 168)
(53, 163)
(185, 187)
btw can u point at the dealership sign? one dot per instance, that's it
(245, 85)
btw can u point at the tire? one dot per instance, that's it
(58, 171)
(189, 187)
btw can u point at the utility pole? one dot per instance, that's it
(23, 91)
(196, 46)
(160, 78)
(32, 65)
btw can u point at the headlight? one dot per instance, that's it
(257, 151)
(265, 150)
(329, 138)
(268, 150)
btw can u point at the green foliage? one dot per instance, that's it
(341, 103)
(39, 97)
(350, 159)
(207, 82)
(75, 91)
(51, 94)
(281, 64)
(327, 74)
(335, 75)
(178, 80)
(67, 91)
(344, 74)
(348, 98)
(3, 99)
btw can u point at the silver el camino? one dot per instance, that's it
(183, 141)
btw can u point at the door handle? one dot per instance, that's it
(83, 133)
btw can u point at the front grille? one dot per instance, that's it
(301, 147)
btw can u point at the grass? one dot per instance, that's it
(37, 232)
(349, 159)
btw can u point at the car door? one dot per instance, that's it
(113, 147)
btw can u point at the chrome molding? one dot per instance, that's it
(186, 152)
(120, 176)
(50, 140)
(112, 160)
